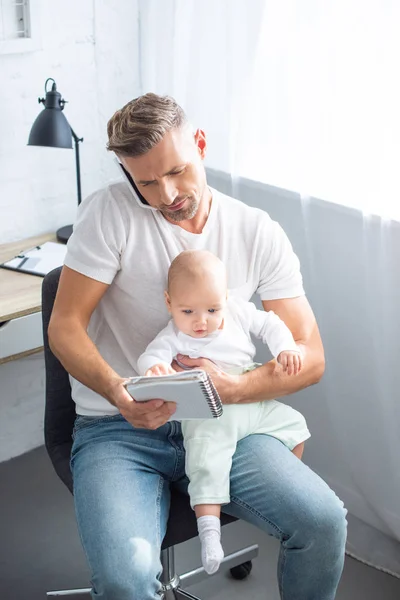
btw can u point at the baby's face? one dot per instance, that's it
(197, 309)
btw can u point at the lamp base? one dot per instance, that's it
(64, 233)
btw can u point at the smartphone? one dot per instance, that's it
(137, 195)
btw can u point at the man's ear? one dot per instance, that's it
(201, 142)
(167, 301)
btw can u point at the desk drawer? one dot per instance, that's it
(21, 334)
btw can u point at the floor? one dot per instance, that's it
(40, 548)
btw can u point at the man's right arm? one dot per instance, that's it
(76, 299)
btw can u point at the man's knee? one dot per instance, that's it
(334, 518)
(129, 575)
(325, 523)
(128, 586)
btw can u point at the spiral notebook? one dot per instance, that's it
(193, 391)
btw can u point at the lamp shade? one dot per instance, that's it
(51, 128)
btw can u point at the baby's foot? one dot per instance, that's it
(210, 539)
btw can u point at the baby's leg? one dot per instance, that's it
(209, 527)
(298, 450)
(203, 510)
(283, 422)
(209, 449)
(210, 445)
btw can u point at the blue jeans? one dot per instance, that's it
(122, 477)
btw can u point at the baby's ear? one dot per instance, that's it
(167, 300)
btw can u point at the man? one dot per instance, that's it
(110, 306)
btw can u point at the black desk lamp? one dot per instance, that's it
(51, 128)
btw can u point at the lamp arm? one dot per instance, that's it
(78, 166)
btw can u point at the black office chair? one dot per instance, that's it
(58, 426)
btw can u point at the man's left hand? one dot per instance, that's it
(227, 385)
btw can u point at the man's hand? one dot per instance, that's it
(290, 361)
(227, 385)
(146, 415)
(160, 369)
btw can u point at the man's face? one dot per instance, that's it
(171, 176)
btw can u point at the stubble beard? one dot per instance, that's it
(184, 214)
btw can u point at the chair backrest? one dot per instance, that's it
(59, 409)
(59, 422)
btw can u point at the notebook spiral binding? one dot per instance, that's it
(212, 396)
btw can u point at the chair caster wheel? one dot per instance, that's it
(242, 571)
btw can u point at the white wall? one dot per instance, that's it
(91, 50)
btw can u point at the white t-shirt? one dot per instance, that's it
(120, 241)
(227, 347)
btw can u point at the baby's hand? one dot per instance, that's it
(291, 361)
(160, 369)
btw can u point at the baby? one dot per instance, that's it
(208, 323)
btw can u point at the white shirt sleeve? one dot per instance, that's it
(98, 238)
(268, 327)
(162, 349)
(280, 275)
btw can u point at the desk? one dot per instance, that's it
(20, 304)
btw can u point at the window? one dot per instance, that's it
(19, 26)
(324, 115)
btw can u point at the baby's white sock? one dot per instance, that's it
(210, 538)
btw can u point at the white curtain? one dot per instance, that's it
(325, 118)
(202, 53)
(305, 96)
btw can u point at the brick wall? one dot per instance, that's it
(91, 50)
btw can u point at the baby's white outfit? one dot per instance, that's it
(211, 443)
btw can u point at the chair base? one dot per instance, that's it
(171, 582)
(180, 594)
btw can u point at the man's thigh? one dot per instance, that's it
(122, 499)
(274, 490)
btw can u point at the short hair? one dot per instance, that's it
(142, 123)
(196, 263)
